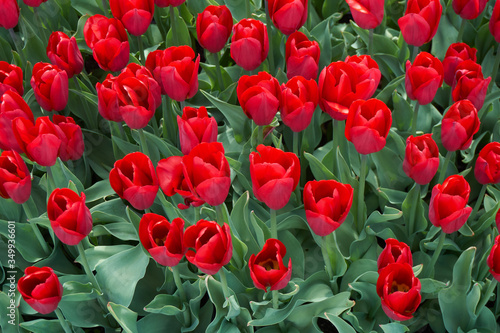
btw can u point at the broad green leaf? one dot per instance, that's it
(124, 316)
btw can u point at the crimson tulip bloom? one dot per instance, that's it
(176, 71)
(421, 21)
(368, 14)
(249, 44)
(166, 3)
(448, 206)
(327, 204)
(34, 3)
(487, 170)
(50, 85)
(394, 252)
(196, 127)
(213, 27)
(108, 103)
(470, 84)
(267, 269)
(497, 219)
(493, 260)
(259, 96)
(299, 98)
(302, 56)
(12, 106)
(15, 178)
(64, 53)
(109, 42)
(458, 126)
(423, 77)
(469, 9)
(275, 175)
(457, 52)
(288, 15)
(494, 24)
(41, 289)
(72, 145)
(421, 158)
(368, 125)
(162, 239)
(69, 217)
(134, 179)
(10, 14)
(399, 291)
(11, 78)
(210, 246)
(136, 15)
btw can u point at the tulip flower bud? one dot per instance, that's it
(487, 169)
(50, 85)
(493, 260)
(421, 160)
(299, 98)
(12, 106)
(10, 14)
(136, 16)
(468, 9)
(457, 52)
(394, 252)
(41, 289)
(11, 78)
(423, 78)
(470, 84)
(458, 126)
(421, 21)
(195, 127)
(249, 44)
(64, 53)
(302, 56)
(288, 16)
(368, 14)
(494, 24)
(267, 269)
(213, 27)
(15, 178)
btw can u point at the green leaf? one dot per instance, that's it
(124, 316)
(121, 230)
(389, 89)
(381, 43)
(319, 170)
(168, 305)
(99, 190)
(76, 291)
(394, 328)
(9, 312)
(43, 326)
(181, 29)
(27, 245)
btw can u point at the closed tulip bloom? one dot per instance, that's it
(195, 127)
(50, 85)
(368, 125)
(399, 291)
(487, 168)
(327, 204)
(497, 219)
(107, 99)
(493, 260)
(421, 21)
(210, 246)
(275, 175)
(302, 56)
(469, 9)
(423, 77)
(459, 125)
(11, 78)
(12, 106)
(213, 27)
(15, 178)
(457, 52)
(134, 179)
(163, 240)
(368, 14)
(166, 3)
(394, 252)
(448, 206)
(69, 217)
(299, 98)
(494, 24)
(72, 145)
(470, 84)
(249, 44)
(10, 14)
(34, 3)
(366, 68)
(421, 160)
(64, 53)
(41, 289)
(267, 268)
(259, 96)
(176, 71)
(288, 15)
(136, 15)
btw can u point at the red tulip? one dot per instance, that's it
(267, 269)
(493, 260)
(166, 3)
(327, 204)
(394, 252)
(487, 168)
(249, 44)
(213, 27)
(12, 106)
(368, 125)
(469, 9)
(259, 96)
(494, 22)
(299, 98)
(64, 53)
(275, 175)
(34, 3)
(50, 85)
(288, 15)
(399, 291)
(421, 21)
(448, 206)
(162, 239)
(109, 42)
(421, 158)
(107, 99)
(41, 289)
(497, 219)
(423, 77)
(10, 14)
(459, 125)
(302, 56)
(368, 14)
(11, 78)
(196, 127)
(136, 15)
(72, 145)
(69, 217)
(457, 52)
(210, 246)
(134, 179)
(470, 84)
(15, 178)
(176, 71)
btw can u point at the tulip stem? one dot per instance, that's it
(370, 43)
(30, 215)
(218, 71)
(335, 144)
(105, 8)
(63, 322)
(326, 257)
(274, 224)
(270, 37)
(486, 296)
(437, 252)
(296, 152)
(169, 121)
(142, 139)
(51, 184)
(86, 267)
(172, 26)
(196, 214)
(17, 42)
(223, 281)
(415, 52)
(461, 31)
(361, 193)
(88, 114)
(141, 49)
(479, 201)
(411, 224)
(38, 21)
(495, 69)
(276, 306)
(182, 294)
(220, 215)
(415, 117)
(247, 9)
(260, 139)
(445, 166)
